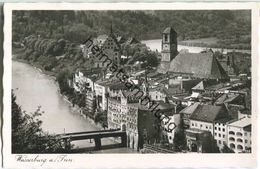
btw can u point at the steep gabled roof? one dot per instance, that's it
(209, 113)
(200, 65)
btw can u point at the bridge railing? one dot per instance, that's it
(88, 132)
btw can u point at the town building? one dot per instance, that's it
(239, 135)
(220, 132)
(100, 91)
(204, 118)
(170, 126)
(140, 123)
(90, 107)
(83, 80)
(186, 113)
(200, 141)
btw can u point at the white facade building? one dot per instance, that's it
(220, 133)
(239, 135)
(168, 124)
(100, 91)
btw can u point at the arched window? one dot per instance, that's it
(166, 38)
(239, 140)
(231, 133)
(239, 134)
(231, 139)
(239, 147)
(232, 146)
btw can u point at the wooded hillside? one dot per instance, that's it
(233, 27)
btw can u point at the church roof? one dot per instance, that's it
(201, 65)
(169, 30)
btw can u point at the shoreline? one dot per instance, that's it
(75, 108)
(205, 45)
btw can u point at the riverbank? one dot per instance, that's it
(212, 42)
(20, 51)
(52, 75)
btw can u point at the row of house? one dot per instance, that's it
(216, 120)
(192, 90)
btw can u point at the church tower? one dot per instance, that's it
(169, 44)
(169, 49)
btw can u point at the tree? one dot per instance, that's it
(28, 136)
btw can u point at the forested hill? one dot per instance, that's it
(76, 26)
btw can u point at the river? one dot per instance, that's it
(156, 44)
(33, 89)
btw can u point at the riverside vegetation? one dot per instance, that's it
(28, 136)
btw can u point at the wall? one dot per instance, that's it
(205, 126)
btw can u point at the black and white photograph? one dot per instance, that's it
(130, 81)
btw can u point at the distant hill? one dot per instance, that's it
(76, 26)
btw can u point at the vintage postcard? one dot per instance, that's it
(130, 85)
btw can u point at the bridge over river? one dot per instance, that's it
(97, 137)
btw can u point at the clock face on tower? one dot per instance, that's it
(166, 47)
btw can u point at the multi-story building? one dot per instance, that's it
(100, 88)
(82, 81)
(204, 118)
(170, 126)
(90, 103)
(220, 132)
(141, 125)
(186, 113)
(239, 135)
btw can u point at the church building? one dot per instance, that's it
(202, 65)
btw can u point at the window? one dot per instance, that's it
(232, 146)
(245, 141)
(223, 135)
(201, 125)
(223, 129)
(240, 147)
(239, 140)
(245, 133)
(231, 133)
(219, 135)
(192, 124)
(206, 127)
(166, 38)
(215, 128)
(231, 139)
(219, 141)
(215, 134)
(219, 129)
(239, 134)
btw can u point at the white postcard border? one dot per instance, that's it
(128, 160)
